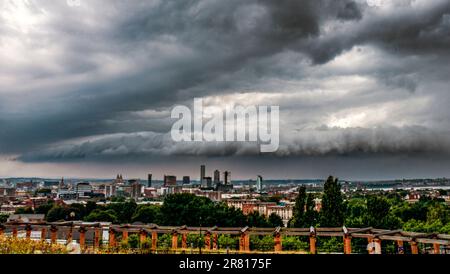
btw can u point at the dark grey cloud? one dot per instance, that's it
(109, 71)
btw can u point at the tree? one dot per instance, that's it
(299, 208)
(275, 220)
(45, 208)
(146, 214)
(56, 213)
(311, 216)
(24, 210)
(3, 218)
(99, 215)
(332, 213)
(254, 219)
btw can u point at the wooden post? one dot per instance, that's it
(143, 238)
(125, 236)
(44, 234)
(208, 241)
(174, 241)
(97, 232)
(28, 230)
(53, 234)
(277, 242)
(82, 231)
(312, 244)
(154, 240)
(184, 240)
(414, 248)
(14, 232)
(215, 241)
(400, 247)
(247, 242)
(242, 242)
(112, 238)
(347, 244)
(2, 230)
(437, 248)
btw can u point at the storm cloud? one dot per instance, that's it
(97, 81)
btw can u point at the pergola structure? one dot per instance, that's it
(53, 231)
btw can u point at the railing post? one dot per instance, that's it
(207, 241)
(400, 247)
(143, 237)
(414, 247)
(82, 231)
(2, 230)
(174, 241)
(377, 242)
(215, 241)
(242, 242)
(277, 242)
(437, 248)
(247, 242)
(112, 238)
(312, 240)
(184, 240)
(154, 240)
(347, 244)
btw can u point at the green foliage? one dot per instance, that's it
(228, 241)
(254, 219)
(332, 213)
(57, 213)
(295, 243)
(3, 218)
(262, 243)
(45, 208)
(299, 208)
(24, 210)
(146, 214)
(133, 241)
(99, 215)
(330, 245)
(275, 220)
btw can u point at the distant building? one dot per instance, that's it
(202, 174)
(259, 183)
(83, 189)
(216, 177)
(149, 180)
(227, 177)
(186, 180)
(208, 182)
(170, 180)
(26, 218)
(136, 189)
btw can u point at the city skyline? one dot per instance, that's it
(87, 90)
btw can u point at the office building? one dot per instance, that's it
(149, 180)
(186, 180)
(202, 174)
(170, 180)
(259, 183)
(216, 177)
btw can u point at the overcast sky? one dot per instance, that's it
(86, 87)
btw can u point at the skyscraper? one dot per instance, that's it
(149, 180)
(259, 183)
(226, 177)
(202, 174)
(186, 180)
(216, 177)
